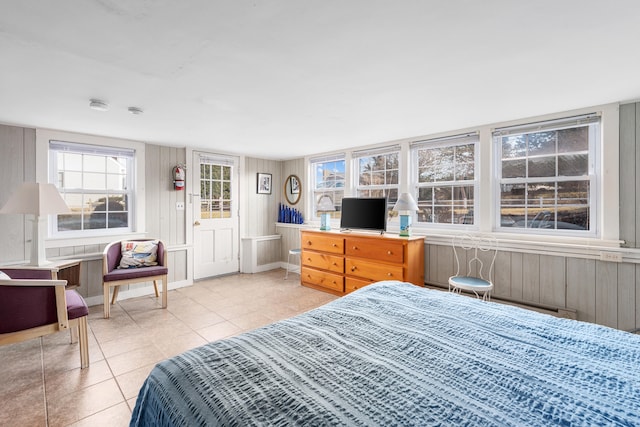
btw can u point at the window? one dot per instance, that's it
(445, 176)
(378, 173)
(547, 175)
(327, 174)
(96, 183)
(215, 189)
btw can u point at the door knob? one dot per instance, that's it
(196, 223)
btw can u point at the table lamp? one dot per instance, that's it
(39, 200)
(405, 206)
(324, 208)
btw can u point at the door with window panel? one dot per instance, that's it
(215, 213)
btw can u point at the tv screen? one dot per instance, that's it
(364, 213)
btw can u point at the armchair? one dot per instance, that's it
(32, 305)
(113, 276)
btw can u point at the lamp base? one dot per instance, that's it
(325, 222)
(405, 225)
(38, 253)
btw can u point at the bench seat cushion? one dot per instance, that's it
(135, 273)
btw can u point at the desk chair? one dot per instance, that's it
(478, 253)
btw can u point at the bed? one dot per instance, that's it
(396, 354)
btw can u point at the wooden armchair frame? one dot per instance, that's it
(110, 261)
(79, 330)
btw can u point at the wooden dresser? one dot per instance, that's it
(339, 262)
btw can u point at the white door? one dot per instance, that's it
(215, 213)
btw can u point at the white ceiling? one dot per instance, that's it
(281, 79)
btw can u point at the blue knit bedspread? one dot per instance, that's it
(396, 354)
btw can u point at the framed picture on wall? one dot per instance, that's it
(264, 183)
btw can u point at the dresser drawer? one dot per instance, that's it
(333, 244)
(351, 284)
(322, 278)
(323, 261)
(372, 270)
(389, 251)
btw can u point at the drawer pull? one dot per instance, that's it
(353, 268)
(355, 248)
(389, 253)
(389, 274)
(334, 245)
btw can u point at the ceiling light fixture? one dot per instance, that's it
(135, 110)
(98, 105)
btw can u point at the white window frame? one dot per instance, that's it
(43, 136)
(56, 147)
(440, 142)
(594, 176)
(486, 200)
(313, 187)
(381, 151)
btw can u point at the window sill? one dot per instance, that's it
(545, 245)
(66, 242)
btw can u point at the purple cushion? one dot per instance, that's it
(25, 307)
(76, 306)
(114, 255)
(135, 273)
(25, 273)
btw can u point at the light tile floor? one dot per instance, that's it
(41, 383)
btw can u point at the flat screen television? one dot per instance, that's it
(364, 213)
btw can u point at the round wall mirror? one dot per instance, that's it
(292, 189)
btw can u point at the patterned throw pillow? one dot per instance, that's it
(138, 254)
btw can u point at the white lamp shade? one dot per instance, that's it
(39, 200)
(405, 203)
(325, 204)
(35, 199)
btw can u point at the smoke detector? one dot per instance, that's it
(98, 105)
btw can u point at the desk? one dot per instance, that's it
(65, 269)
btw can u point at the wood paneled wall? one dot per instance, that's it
(291, 233)
(630, 174)
(606, 293)
(17, 165)
(260, 214)
(162, 217)
(601, 292)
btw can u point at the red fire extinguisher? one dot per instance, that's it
(178, 178)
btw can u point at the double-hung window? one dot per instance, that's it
(96, 182)
(445, 177)
(547, 176)
(328, 178)
(378, 173)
